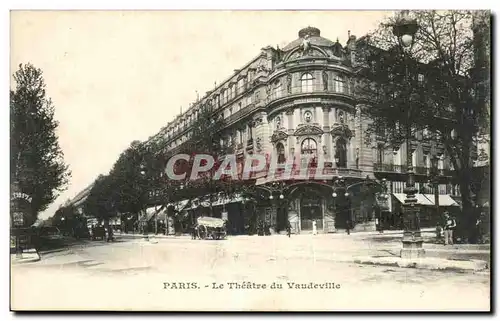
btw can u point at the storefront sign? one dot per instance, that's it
(21, 196)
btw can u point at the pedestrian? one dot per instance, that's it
(478, 237)
(348, 226)
(439, 233)
(288, 228)
(449, 226)
(194, 231)
(315, 231)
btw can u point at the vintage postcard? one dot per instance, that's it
(250, 160)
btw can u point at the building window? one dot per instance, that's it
(341, 152)
(249, 132)
(339, 83)
(427, 161)
(420, 78)
(380, 130)
(224, 96)
(233, 91)
(440, 162)
(278, 90)
(414, 158)
(306, 83)
(396, 157)
(240, 136)
(308, 146)
(280, 150)
(241, 86)
(380, 154)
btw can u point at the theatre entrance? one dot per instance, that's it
(311, 210)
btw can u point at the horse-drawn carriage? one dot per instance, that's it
(211, 227)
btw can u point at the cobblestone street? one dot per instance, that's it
(130, 275)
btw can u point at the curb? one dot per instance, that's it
(426, 263)
(32, 258)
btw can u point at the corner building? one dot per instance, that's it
(297, 101)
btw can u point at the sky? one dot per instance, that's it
(119, 76)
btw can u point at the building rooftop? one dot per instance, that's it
(313, 35)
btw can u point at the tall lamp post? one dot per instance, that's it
(405, 29)
(277, 188)
(145, 223)
(435, 183)
(339, 185)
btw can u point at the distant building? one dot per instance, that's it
(79, 199)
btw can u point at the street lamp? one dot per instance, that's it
(144, 224)
(405, 29)
(435, 181)
(339, 184)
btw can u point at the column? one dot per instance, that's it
(327, 137)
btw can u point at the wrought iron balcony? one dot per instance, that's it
(282, 92)
(302, 171)
(391, 168)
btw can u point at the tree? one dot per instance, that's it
(100, 201)
(129, 180)
(37, 163)
(429, 89)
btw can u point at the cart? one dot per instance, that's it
(211, 227)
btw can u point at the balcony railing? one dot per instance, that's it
(244, 111)
(304, 172)
(391, 168)
(283, 91)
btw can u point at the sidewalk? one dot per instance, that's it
(28, 256)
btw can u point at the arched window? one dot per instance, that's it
(306, 83)
(280, 150)
(339, 83)
(341, 152)
(309, 146)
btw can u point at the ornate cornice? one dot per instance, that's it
(278, 135)
(308, 130)
(341, 130)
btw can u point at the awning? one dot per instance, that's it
(179, 206)
(428, 199)
(221, 200)
(444, 200)
(423, 200)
